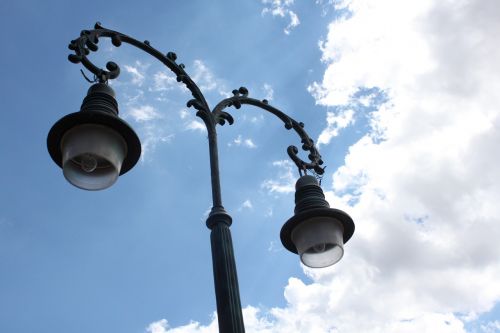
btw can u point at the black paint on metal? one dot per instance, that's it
(225, 278)
(309, 203)
(98, 107)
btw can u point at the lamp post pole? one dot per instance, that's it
(94, 146)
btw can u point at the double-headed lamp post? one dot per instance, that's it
(94, 146)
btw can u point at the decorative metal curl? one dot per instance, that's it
(88, 40)
(241, 97)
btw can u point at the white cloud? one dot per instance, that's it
(191, 122)
(366, 100)
(143, 113)
(203, 76)
(249, 143)
(491, 327)
(137, 71)
(327, 5)
(151, 135)
(285, 182)
(134, 99)
(239, 141)
(335, 122)
(281, 8)
(269, 92)
(206, 79)
(294, 21)
(159, 326)
(258, 119)
(184, 113)
(150, 132)
(164, 81)
(162, 326)
(247, 204)
(389, 57)
(425, 203)
(274, 247)
(196, 125)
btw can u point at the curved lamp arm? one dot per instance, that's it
(88, 40)
(241, 97)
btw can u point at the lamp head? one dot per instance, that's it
(316, 232)
(94, 146)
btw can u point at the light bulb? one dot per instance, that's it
(319, 248)
(88, 163)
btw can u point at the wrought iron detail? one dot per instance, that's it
(88, 40)
(241, 97)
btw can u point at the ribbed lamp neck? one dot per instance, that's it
(309, 195)
(100, 97)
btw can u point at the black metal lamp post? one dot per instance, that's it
(94, 146)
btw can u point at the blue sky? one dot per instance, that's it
(401, 96)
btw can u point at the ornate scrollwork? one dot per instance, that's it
(88, 40)
(241, 97)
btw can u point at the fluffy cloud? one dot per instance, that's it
(206, 79)
(285, 182)
(164, 81)
(335, 122)
(491, 327)
(151, 134)
(191, 122)
(282, 9)
(143, 113)
(203, 76)
(421, 183)
(268, 91)
(196, 125)
(162, 326)
(137, 72)
(239, 141)
(247, 204)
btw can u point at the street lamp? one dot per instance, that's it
(94, 147)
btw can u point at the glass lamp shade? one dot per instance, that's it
(92, 156)
(316, 232)
(319, 241)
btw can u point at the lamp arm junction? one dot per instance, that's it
(87, 42)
